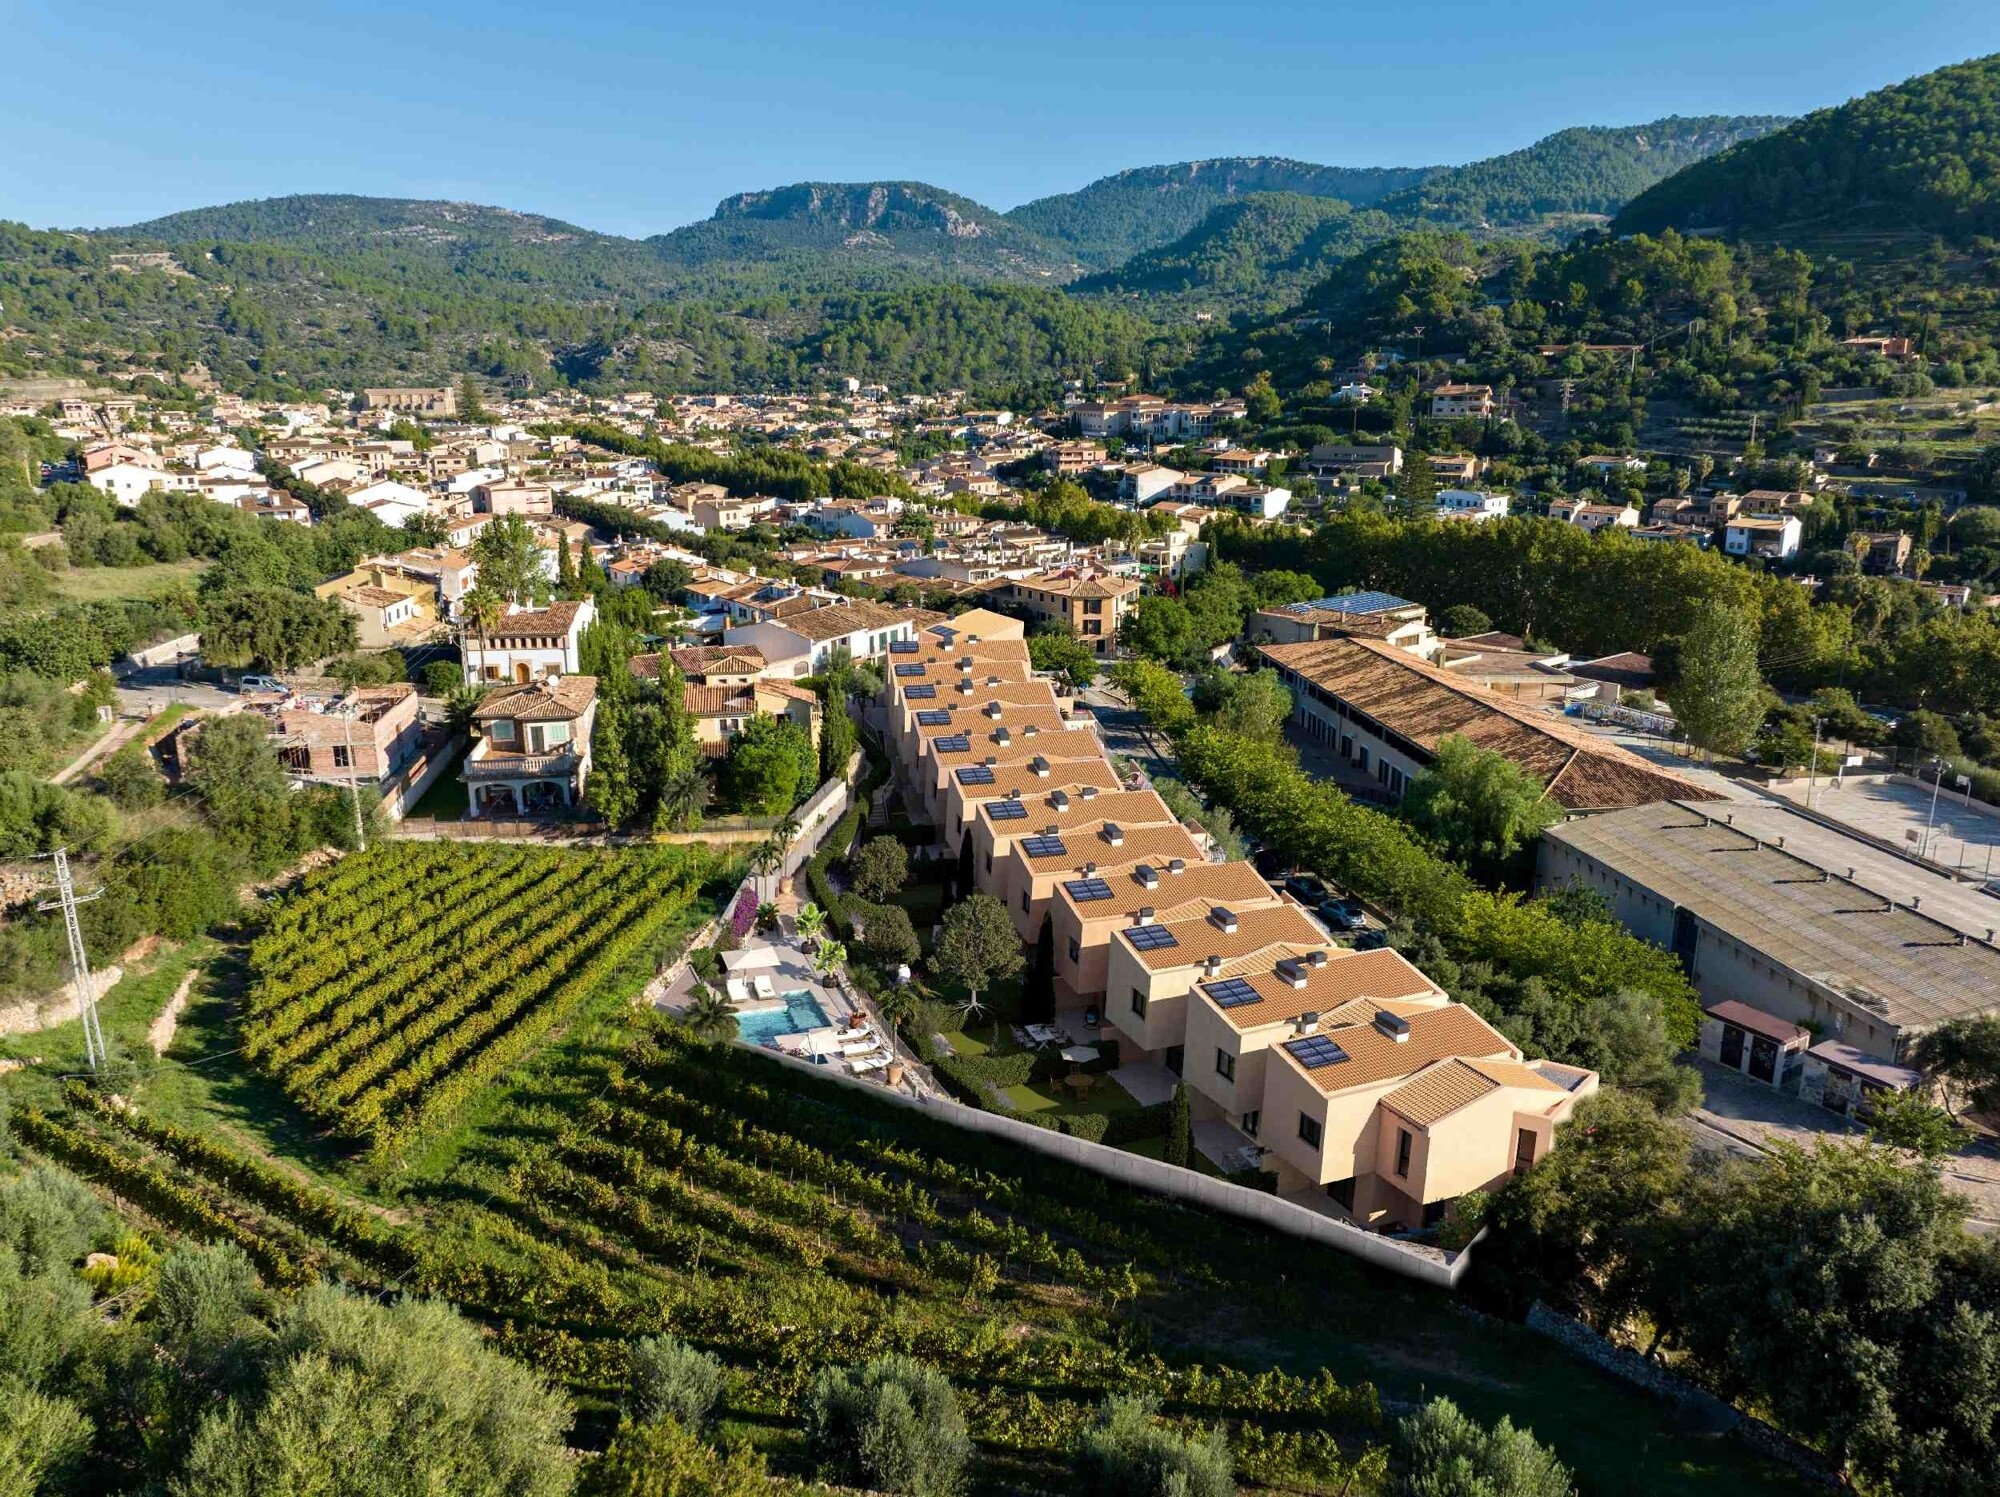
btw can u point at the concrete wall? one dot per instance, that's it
(1425, 1265)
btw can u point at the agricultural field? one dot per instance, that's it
(394, 986)
(118, 584)
(581, 1173)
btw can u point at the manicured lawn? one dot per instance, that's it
(1054, 1099)
(445, 800)
(116, 584)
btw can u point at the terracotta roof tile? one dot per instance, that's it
(1425, 705)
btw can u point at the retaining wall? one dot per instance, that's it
(1426, 1265)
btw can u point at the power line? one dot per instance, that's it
(79, 960)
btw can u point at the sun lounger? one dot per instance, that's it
(764, 987)
(871, 1063)
(862, 1047)
(737, 989)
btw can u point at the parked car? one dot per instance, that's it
(1371, 940)
(263, 683)
(1305, 887)
(1342, 914)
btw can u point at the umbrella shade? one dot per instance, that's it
(1081, 1054)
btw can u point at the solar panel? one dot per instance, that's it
(975, 774)
(1084, 890)
(935, 718)
(1231, 992)
(1150, 937)
(1315, 1052)
(909, 668)
(1043, 847)
(957, 743)
(923, 692)
(1006, 810)
(903, 647)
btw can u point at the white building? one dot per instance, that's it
(1471, 504)
(125, 482)
(530, 644)
(806, 642)
(390, 502)
(1774, 536)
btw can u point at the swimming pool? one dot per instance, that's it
(800, 1013)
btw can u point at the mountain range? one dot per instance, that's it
(840, 235)
(1132, 274)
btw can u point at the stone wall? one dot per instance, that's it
(1705, 1409)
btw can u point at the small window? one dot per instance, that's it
(1225, 1065)
(343, 756)
(501, 730)
(1138, 1003)
(1024, 901)
(1341, 1193)
(1075, 951)
(1403, 1152)
(1309, 1130)
(1250, 1122)
(989, 860)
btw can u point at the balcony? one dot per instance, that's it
(486, 762)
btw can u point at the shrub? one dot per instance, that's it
(1440, 1452)
(443, 679)
(892, 1424)
(1088, 1126)
(1124, 1453)
(672, 1380)
(664, 1460)
(887, 932)
(129, 779)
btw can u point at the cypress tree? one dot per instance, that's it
(1180, 1130)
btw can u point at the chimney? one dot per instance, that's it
(964, 688)
(1144, 916)
(1113, 833)
(1089, 792)
(1059, 799)
(1394, 1026)
(1003, 736)
(1223, 920)
(1315, 959)
(991, 709)
(1040, 766)
(1306, 1023)
(1147, 875)
(1089, 870)
(1291, 973)
(991, 762)
(1031, 730)
(1211, 965)
(1177, 865)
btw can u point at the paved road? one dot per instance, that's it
(155, 690)
(1742, 1117)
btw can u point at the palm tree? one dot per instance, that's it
(710, 1015)
(787, 831)
(767, 857)
(682, 794)
(483, 608)
(812, 922)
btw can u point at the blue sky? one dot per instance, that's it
(633, 119)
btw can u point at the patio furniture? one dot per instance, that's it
(738, 990)
(1081, 1055)
(1045, 1034)
(871, 1063)
(1080, 1083)
(764, 987)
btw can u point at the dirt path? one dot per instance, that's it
(161, 1032)
(121, 733)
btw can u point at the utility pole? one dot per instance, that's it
(1937, 782)
(79, 961)
(1812, 764)
(353, 786)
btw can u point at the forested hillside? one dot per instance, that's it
(1590, 170)
(1267, 246)
(1118, 216)
(1921, 155)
